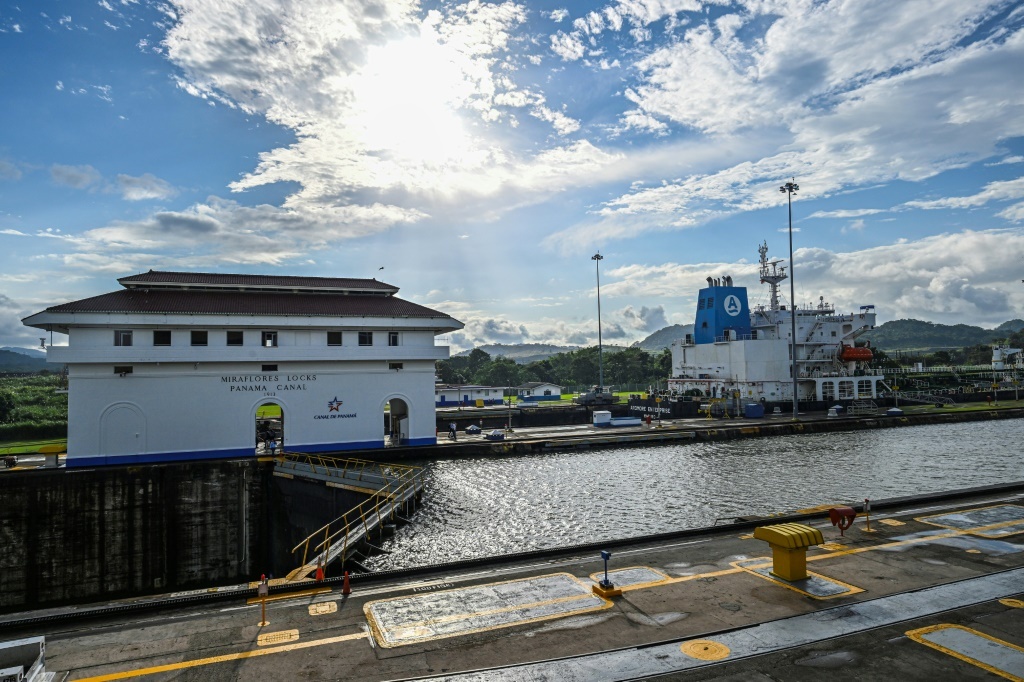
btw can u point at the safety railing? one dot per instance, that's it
(359, 470)
(356, 523)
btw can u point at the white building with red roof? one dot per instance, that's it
(177, 365)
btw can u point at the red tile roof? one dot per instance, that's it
(199, 279)
(205, 302)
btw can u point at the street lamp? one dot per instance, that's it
(597, 258)
(789, 189)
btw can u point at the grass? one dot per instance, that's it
(30, 447)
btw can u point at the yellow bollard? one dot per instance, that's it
(789, 543)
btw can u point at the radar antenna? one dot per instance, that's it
(771, 274)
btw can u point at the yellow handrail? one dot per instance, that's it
(399, 481)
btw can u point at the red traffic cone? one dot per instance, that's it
(319, 573)
(346, 589)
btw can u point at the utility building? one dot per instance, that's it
(178, 366)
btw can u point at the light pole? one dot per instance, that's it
(597, 258)
(789, 189)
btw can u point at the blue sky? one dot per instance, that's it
(483, 152)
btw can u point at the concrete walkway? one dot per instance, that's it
(932, 592)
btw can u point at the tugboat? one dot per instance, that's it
(743, 356)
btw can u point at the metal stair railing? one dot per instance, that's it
(342, 534)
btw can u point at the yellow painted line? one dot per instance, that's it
(321, 608)
(892, 522)
(493, 612)
(851, 589)
(748, 536)
(1012, 603)
(269, 638)
(423, 626)
(599, 576)
(289, 595)
(239, 656)
(975, 530)
(832, 546)
(920, 636)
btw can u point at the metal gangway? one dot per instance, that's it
(920, 397)
(859, 408)
(390, 486)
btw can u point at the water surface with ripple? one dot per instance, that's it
(485, 506)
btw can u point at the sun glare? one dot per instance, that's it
(409, 95)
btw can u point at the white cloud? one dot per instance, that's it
(847, 213)
(558, 15)
(146, 186)
(855, 122)
(9, 171)
(1008, 160)
(79, 177)
(645, 319)
(853, 226)
(228, 232)
(993, 191)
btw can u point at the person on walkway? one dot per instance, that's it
(452, 433)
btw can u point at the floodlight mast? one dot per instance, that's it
(789, 189)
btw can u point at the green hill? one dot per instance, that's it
(920, 335)
(16, 362)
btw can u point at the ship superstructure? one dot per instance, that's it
(732, 351)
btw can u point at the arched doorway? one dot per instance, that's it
(396, 422)
(269, 429)
(122, 430)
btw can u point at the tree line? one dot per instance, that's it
(572, 368)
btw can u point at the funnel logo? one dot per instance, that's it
(732, 305)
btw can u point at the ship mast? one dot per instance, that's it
(771, 274)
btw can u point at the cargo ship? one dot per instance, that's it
(745, 355)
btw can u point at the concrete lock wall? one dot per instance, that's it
(81, 535)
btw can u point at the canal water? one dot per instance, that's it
(474, 507)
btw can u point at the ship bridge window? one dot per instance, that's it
(847, 328)
(828, 390)
(833, 332)
(845, 390)
(864, 388)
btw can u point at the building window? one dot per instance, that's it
(845, 390)
(122, 337)
(365, 338)
(122, 369)
(236, 338)
(269, 368)
(199, 337)
(395, 365)
(392, 338)
(161, 337)
(269, 339)
(333, 338)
